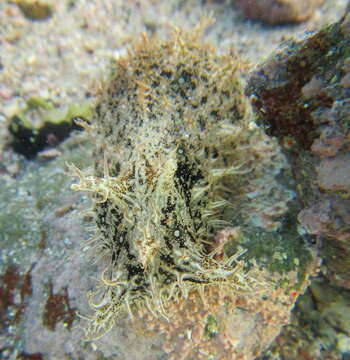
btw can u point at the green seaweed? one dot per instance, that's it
(211, 327)
(40, 124)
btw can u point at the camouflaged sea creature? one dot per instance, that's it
(172, 135)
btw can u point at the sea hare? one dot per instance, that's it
(178, 165)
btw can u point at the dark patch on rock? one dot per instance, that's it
(11, 283)
(26, 356)
(29, 142)
(274, 12)
(58, 309)
(15, 288)
(35, 10)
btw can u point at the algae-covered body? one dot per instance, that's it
(173, 149)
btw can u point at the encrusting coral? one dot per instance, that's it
(175, 149)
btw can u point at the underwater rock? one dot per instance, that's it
(300, 97)
(189, 214)
(275, 12)
(32, 244)
(319, 327)
(35, 9)
(40, 126)
(301, 94)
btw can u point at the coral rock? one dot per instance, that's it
(35, 9)
(300, 94)
(278, 11)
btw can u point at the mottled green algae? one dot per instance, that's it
(30, 206)
(211, 327)
(279, 252)
(27, 200)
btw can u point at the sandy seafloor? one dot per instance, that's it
(63, 59)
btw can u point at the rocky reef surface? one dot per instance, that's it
(302, 96)
(45, 267)
(276, 12)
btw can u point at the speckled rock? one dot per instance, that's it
(319, 329)
(278, 11)
(35, 9)
(301, 93)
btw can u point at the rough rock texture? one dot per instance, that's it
(302, 94)
(41, 288)
(178, 166)
(278, 11)
(319, 328)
